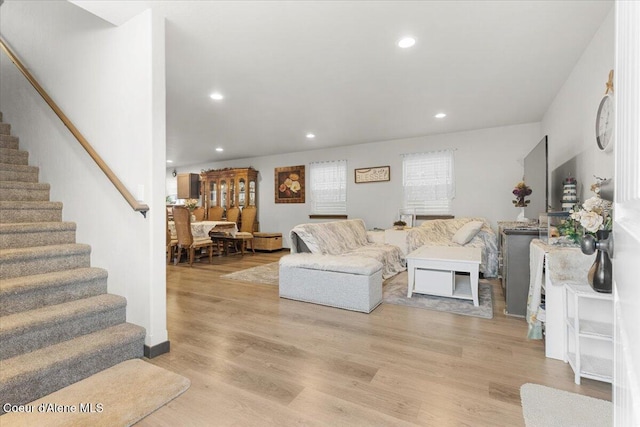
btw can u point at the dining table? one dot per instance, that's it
(201, 229)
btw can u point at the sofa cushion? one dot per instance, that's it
(390, 256)
(467, 232)
(342, 264)
(332, 238)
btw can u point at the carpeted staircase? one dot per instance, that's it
(58, 324)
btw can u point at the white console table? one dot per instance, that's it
(562, 265)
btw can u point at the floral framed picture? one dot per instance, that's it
(289, 184)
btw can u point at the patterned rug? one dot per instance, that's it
(394, 291)
(266, 274)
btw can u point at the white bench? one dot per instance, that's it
(348, 282)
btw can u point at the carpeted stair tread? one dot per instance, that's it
(127, 391)
(5, 129)
(9, 141)
(26, 173)
(30, 330)
(54, 251)
(13, 156)
(25, 205)
(29, 292)
(24, 191)
(21, 211)
(28, 234)
(32, 375)
(25, 186)
(43, 259)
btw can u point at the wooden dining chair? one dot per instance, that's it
(233, 214)
(171, 243)
(199, 213)
(248, 219)
(182, 220)
(215, 213)
(244, 237)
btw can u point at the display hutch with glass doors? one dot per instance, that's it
(229, 187)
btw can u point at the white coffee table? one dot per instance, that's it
(432, 270)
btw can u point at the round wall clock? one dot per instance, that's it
(605, 118)
(604, 123)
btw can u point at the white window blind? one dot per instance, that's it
(328, 184)
(428, 183)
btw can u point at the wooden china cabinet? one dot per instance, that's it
(229, 187)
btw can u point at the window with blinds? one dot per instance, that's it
(428, 184)
(328, 187)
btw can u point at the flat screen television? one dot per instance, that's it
(536, 176)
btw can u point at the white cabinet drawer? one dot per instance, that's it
(436, 282)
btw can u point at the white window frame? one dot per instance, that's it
(428, 182)
(328, 187)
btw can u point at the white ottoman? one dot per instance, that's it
(349, 282)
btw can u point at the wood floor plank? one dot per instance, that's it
(257, 360)
(332, 410)
(211, 402)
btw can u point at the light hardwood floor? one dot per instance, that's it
(256, 360)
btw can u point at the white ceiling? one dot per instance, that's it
(333, 68)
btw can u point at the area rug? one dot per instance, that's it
(266, 274)
(549, 407)
(119, 396)
(394, 291)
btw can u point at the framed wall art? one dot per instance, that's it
(373, 174)
(289, 184)
(407, 218)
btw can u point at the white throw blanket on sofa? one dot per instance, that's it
(345, 238)
(439, 232)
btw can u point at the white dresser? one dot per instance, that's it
(578, 324)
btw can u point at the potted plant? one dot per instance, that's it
(399, 225)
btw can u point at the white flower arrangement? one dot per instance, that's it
(595, 212)
(191, 204)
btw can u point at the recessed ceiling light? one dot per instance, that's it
(169, 161)
(219, 149)
(310, 136)
(406, 42)
(440, 116)
(216, 96)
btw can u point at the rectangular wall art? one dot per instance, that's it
(373, 174)
(289, 184)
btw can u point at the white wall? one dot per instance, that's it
(570, 119)
(110, 82)
(488, 164)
